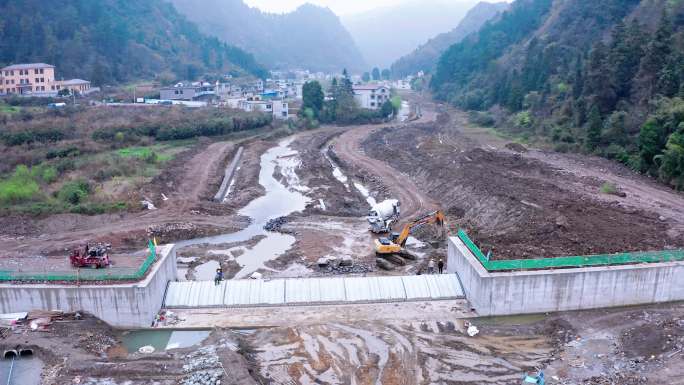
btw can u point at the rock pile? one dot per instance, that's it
(203, 367)
(275, 224)
(205, 377)
(341, 265)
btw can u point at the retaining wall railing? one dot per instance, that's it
(570, 262)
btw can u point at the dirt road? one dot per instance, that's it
(348, 148)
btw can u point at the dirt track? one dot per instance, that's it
(348, 148)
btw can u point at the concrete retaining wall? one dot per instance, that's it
(125, 306)
(563, 289)
(230, 172)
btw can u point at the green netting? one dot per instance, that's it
(569, 262)
(86, 274)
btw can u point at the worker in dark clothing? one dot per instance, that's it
(219, 277)
(440, 266)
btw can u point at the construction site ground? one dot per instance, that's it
(517, 202)
(410, 343)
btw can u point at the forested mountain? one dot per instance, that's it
(387, 33)
(310, 37)
(112, 41)
(425, 57)
(604, 76)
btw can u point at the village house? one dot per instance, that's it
(38, 79)
(276, 107)
(371, 96)
(191, 92)
(27, 78)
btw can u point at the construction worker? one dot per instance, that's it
(219, 276)
(431, 266)
(440, 266)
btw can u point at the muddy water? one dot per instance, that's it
(342, 178)
(163, 340)
(284, 195)
(404, 111)
(206, 271)
(26, 371)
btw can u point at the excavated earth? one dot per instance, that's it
(529, 204)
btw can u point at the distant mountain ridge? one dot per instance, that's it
(309, 37)
(385, 34)
(114, 41)
(425, 57)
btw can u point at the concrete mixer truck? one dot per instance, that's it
(383, 215)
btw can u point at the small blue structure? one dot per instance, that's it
(538, 379)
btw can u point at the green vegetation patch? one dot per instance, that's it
(7, 109)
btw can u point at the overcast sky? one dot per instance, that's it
(340, 7)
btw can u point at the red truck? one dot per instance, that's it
(95, 256)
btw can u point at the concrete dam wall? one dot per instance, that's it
(131, 305)
(539, 291)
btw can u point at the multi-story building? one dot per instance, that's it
(27, 78)
(278, 108)
(195, 91)
(371, 96)
(38, 79)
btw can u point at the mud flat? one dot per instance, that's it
(283, 196)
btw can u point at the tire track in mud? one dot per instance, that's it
(348, 148)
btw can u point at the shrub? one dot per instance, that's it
(20, 187)
(609, 188)
(483, 119)
(74, 192)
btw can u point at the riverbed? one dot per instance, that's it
(284, 196)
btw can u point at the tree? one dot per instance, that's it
(386, 74)
(376, 73)
(366, 77)
(313, 97)
(598, 82)
(594, 129)
(655, 58)
(649, 143)
(672, 161)
(387, 109)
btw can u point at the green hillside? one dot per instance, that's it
(604, 77)
(110, 41)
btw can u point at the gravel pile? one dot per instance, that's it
(203, 367)
(275, 224)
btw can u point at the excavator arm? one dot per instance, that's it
(436, 217)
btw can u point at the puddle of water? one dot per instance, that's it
(181, 273)
(337, 172)
(26, 371)
(206, 271)
(231, 185)
(163, 340)
(404, 111)
(280, 200)
(366, 194)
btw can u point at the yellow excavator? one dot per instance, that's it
(396, 242)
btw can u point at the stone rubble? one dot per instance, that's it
(203, 367)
